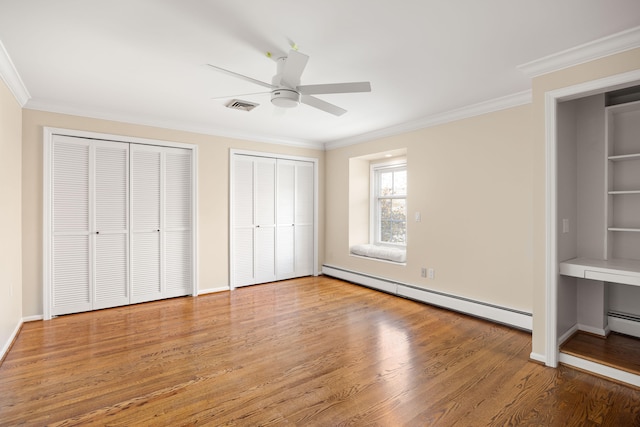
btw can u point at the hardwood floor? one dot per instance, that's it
(312, 351)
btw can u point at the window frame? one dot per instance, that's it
(374, 201)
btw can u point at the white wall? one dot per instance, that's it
(10, 217)
(567, 205)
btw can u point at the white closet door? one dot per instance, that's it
(242, 272)
(265, 220)
(304, 218)
(177, 215)
(90, 225)
(285, 235)
(71, 287)
(146, 201)
(111, 239)
(272, 223)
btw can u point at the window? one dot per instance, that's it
(389, 204)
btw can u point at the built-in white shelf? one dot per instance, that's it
(623, 271)
(625, 157)
(622, 180)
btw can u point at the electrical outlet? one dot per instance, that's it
(431, 274)
(423, 273)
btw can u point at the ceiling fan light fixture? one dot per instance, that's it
(286, 98)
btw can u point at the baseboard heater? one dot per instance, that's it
(624, 323)
(507, 316)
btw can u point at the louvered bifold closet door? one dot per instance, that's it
(285, 230)
(304, 218)
(90, 225)
(242, 228)
(71, 285)
(178, 222)
(111, 238)
(146, 202)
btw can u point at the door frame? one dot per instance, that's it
(234, 152)
(551, 100)
(47, 139)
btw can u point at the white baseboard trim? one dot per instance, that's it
(33, 318)
(7, 345)
(212, 290)
(516, 319)
(598, 369)
(538, 357)
(595, 331)
(361, 279)
(567, 334)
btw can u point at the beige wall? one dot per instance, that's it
(471, 180)
(10, 215)
(213, 197)
(601, 68)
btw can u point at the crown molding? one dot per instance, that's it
(615, 43)
(166, 124)
(12, 79)
(497, 104)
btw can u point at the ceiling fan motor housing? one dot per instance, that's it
(287, 98)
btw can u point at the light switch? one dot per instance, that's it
(565, 225)
(418, 217)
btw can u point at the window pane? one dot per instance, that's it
(393, 221)
(400, 183)
(385, 209)
(399, 216)
(386, 183)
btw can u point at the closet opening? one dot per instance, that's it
(595, 232)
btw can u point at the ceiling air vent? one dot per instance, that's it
(237, 104)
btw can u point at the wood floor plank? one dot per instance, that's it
(616, 350)
(311, 351)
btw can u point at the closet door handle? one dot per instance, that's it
(257, 226)
(97, 232)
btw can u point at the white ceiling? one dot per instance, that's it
(144, 61)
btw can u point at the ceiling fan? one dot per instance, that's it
(286, 90)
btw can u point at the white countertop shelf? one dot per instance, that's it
(624, 157)
(623, 271)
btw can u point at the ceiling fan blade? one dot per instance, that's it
(293, 67)
(242, 94)
(322, 105)
(240, 76)
(335, 88)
